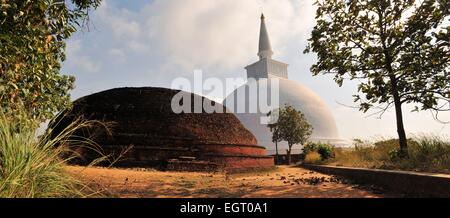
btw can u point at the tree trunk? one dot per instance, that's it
(401, 130)
(276, 153)
(399, 116)
(288, 153)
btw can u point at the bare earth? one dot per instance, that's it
(281, 182)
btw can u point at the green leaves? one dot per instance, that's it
(32, 35)
(399, 47)
(291, 126)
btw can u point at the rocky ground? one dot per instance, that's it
(283, 181)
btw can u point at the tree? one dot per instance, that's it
(32, 35)
(276, 136)
(399, 50)
(291, 127)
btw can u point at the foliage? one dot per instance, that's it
(291, 126)
(274, 127)
(32, 166)
(426, 153)
(32, 34)
(309, 147)
(326, 151)
(399, 51)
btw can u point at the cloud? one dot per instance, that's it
(223, 33)
(87, 65)
(76, 58)
(118, 55)
(137, 46)
(201, 33)
(73, 47)
(120, 21)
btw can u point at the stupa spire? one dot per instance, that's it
(266, 67)
(265, 49)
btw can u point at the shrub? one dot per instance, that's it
(324, 150)
(309, 147)
(394, 154)
(313, 157)
(32, 166)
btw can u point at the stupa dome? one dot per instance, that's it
(291, 93)
(143, 119)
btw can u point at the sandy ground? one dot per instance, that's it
(283, 181)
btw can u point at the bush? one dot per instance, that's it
(324, 150)
(312, 157)
(309, 148)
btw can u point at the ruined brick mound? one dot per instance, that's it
(143, 131)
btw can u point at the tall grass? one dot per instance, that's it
(428, 153)
(425, 153)
(32, 166)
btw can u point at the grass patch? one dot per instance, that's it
(312, 157)
(32, 166)
(426, 153)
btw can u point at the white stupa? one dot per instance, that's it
(302, 98)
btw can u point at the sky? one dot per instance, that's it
(150, 43)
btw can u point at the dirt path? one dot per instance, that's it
(281, 182)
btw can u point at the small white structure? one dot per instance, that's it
(302, 98)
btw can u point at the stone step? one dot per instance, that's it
(186, 158)
(192, 166)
